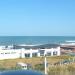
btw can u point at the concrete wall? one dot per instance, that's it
(20, 53)
(9, 54)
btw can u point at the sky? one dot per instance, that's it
(37, 17)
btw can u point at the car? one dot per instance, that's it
(21, 72)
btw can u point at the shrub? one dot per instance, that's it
(39, 67)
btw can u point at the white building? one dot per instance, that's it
(22, 65)
(9, 53)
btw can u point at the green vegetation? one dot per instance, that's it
(37, 64)
(39, 67)
(62, 70)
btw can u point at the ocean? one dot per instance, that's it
(13, 40)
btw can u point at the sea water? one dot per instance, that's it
(9, 40)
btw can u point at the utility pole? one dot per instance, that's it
(45, 65)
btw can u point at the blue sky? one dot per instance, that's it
(37, 17)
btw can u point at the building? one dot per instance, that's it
(21, 65)
(21, 51)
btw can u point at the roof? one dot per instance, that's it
(22, 64)
(37, 46)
